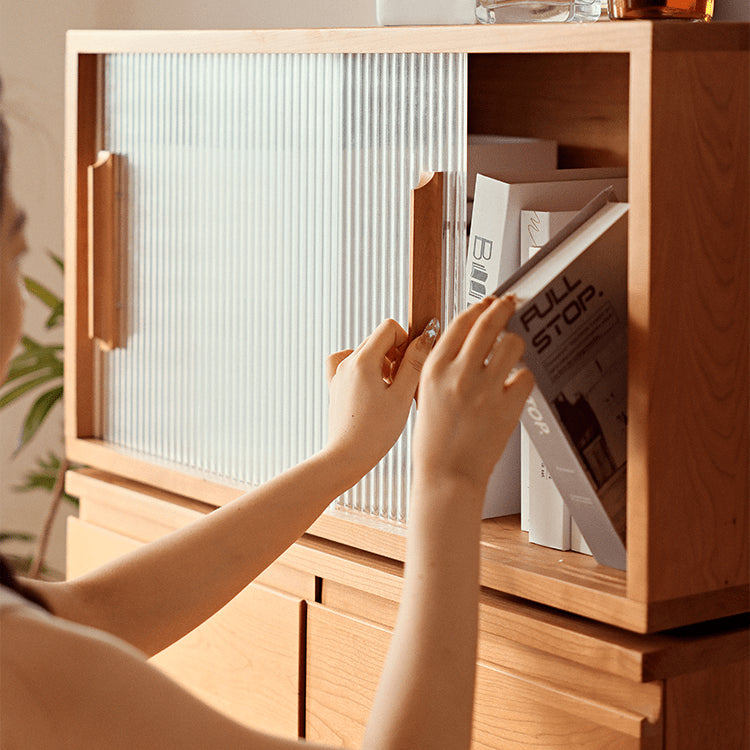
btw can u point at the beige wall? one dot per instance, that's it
(32, 43)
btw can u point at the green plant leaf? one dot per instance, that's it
(16, 536)
(21, 564)
(57, 260)
(36, 360)
(29, 344)
(38, 413)
(56, 317)
(49, 298)
(44, 476)
(41, 292)
(25, 387)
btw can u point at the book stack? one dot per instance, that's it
(572, 313)
(494, 254)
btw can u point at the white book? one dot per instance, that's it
(572, 313)
(495, 237)
(577, 542)
(494, 254)
(537, 227)
(549, 517)
(543, 511)
(525, 478)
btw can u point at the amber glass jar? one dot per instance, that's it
(692, 10)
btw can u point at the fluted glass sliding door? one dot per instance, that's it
(267, 226)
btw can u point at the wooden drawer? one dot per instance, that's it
(88, 547)
(244, 661)
(513, 708)
(516, 709)
(144, 514)
(345, 658)
(304, 650)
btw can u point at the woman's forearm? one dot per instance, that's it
(469, 404)
(161, 591)
(425, 696)
(165, 589)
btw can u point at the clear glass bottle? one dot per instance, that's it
(535, 11)
(691, 10)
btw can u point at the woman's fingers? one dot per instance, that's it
(333, 361)
(409, 368)
(504, 355)
(486, 334)
(387, 336)
(454, 337)
(521, 381)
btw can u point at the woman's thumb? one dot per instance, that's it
(414, 357)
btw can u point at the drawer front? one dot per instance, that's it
(88, 547)
(513, 712)
(345, 656)
(137, 513)
(243, 661)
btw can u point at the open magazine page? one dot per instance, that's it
(574, 322)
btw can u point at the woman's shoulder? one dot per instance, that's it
(10, 600)
(49, 667)
(21, 716)
(61, 678)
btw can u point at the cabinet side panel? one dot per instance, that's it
(709, 709)
(81, 112)
(698, 346)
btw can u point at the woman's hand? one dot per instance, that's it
(371, 390)
(471, 396)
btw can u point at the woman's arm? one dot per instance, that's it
(468, 408)
(156, 594)
(64, 685)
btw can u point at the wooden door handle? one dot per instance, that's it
(426, 252)
(104, 259)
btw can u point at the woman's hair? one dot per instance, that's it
(7, 575)
(9, 580)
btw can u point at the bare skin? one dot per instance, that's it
(80, 678)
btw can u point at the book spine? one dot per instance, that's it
(525, 479)
(549, 517)
(577, 542)
(543, 512)
(577, 491)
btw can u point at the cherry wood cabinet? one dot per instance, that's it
(300, 650)
(572, 653)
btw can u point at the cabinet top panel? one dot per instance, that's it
(624, 36)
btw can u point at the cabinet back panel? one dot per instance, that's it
(268, 227)
(580, 101)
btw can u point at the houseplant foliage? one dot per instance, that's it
(38, 370)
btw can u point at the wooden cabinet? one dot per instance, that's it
(302, 649)
(557, 703)
(668, 101)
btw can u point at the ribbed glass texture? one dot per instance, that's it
(268, 226)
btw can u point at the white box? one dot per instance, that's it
(437, 12)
